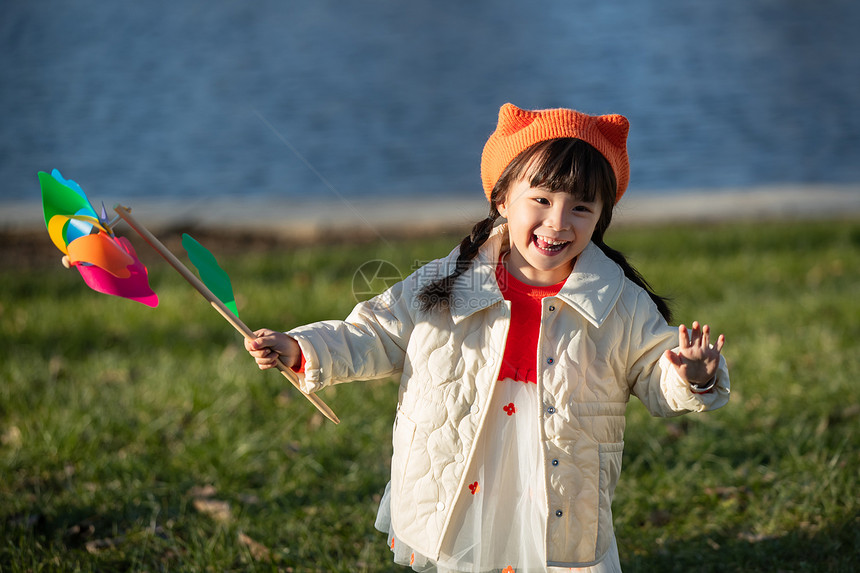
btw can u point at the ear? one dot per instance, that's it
(502, 208)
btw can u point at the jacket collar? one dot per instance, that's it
(592, 288)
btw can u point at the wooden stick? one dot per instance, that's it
(234, 320)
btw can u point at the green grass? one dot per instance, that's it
(124, 429)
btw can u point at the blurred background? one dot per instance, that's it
(296, 100)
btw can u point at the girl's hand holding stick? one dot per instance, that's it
(271, 347)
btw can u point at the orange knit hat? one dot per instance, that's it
(519, 129)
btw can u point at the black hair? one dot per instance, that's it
(564, 164)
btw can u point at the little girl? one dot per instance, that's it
(517, 355)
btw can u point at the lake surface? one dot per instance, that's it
(319, 99)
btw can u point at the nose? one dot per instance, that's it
(558, 217)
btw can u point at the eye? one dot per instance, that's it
(542, 200)
(582, 209)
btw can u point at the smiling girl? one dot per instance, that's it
(517, 355)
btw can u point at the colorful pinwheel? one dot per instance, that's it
(110, 265)
(107, 263)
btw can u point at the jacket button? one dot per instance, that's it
(558, 513)
(440, 506)
(555, 462)
(474, 409)
(549, 360)
(551, 308)
(550, 410)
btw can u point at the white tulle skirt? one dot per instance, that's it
(502, 527)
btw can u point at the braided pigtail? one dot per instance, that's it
(618, 257)
(437, 294)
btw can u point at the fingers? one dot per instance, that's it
(698, 337)
(265, 358)
(265, 338)
(270, 347)
(256, 343)
(683, 337)
(721, 340)
(263, 348)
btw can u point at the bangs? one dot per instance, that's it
(567, 164)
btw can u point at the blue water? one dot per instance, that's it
(315, 98)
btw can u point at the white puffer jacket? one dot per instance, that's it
(601, 339)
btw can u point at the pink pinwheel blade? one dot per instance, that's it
(135, 287)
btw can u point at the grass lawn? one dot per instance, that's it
(146, 439)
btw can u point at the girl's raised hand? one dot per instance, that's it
(270, 345)
(696, 360)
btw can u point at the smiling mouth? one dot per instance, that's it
(548, 245)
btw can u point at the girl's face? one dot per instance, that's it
(547, 231)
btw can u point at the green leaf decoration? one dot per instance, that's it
(211, 273)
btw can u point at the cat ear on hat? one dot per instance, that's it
(512, 119)
(614, 128)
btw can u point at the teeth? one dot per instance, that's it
(551, 242)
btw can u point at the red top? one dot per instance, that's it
(520, 359)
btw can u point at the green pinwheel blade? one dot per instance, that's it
(60, 199)
(211, 273)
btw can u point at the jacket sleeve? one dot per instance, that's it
(370, 343)
(651, 376)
